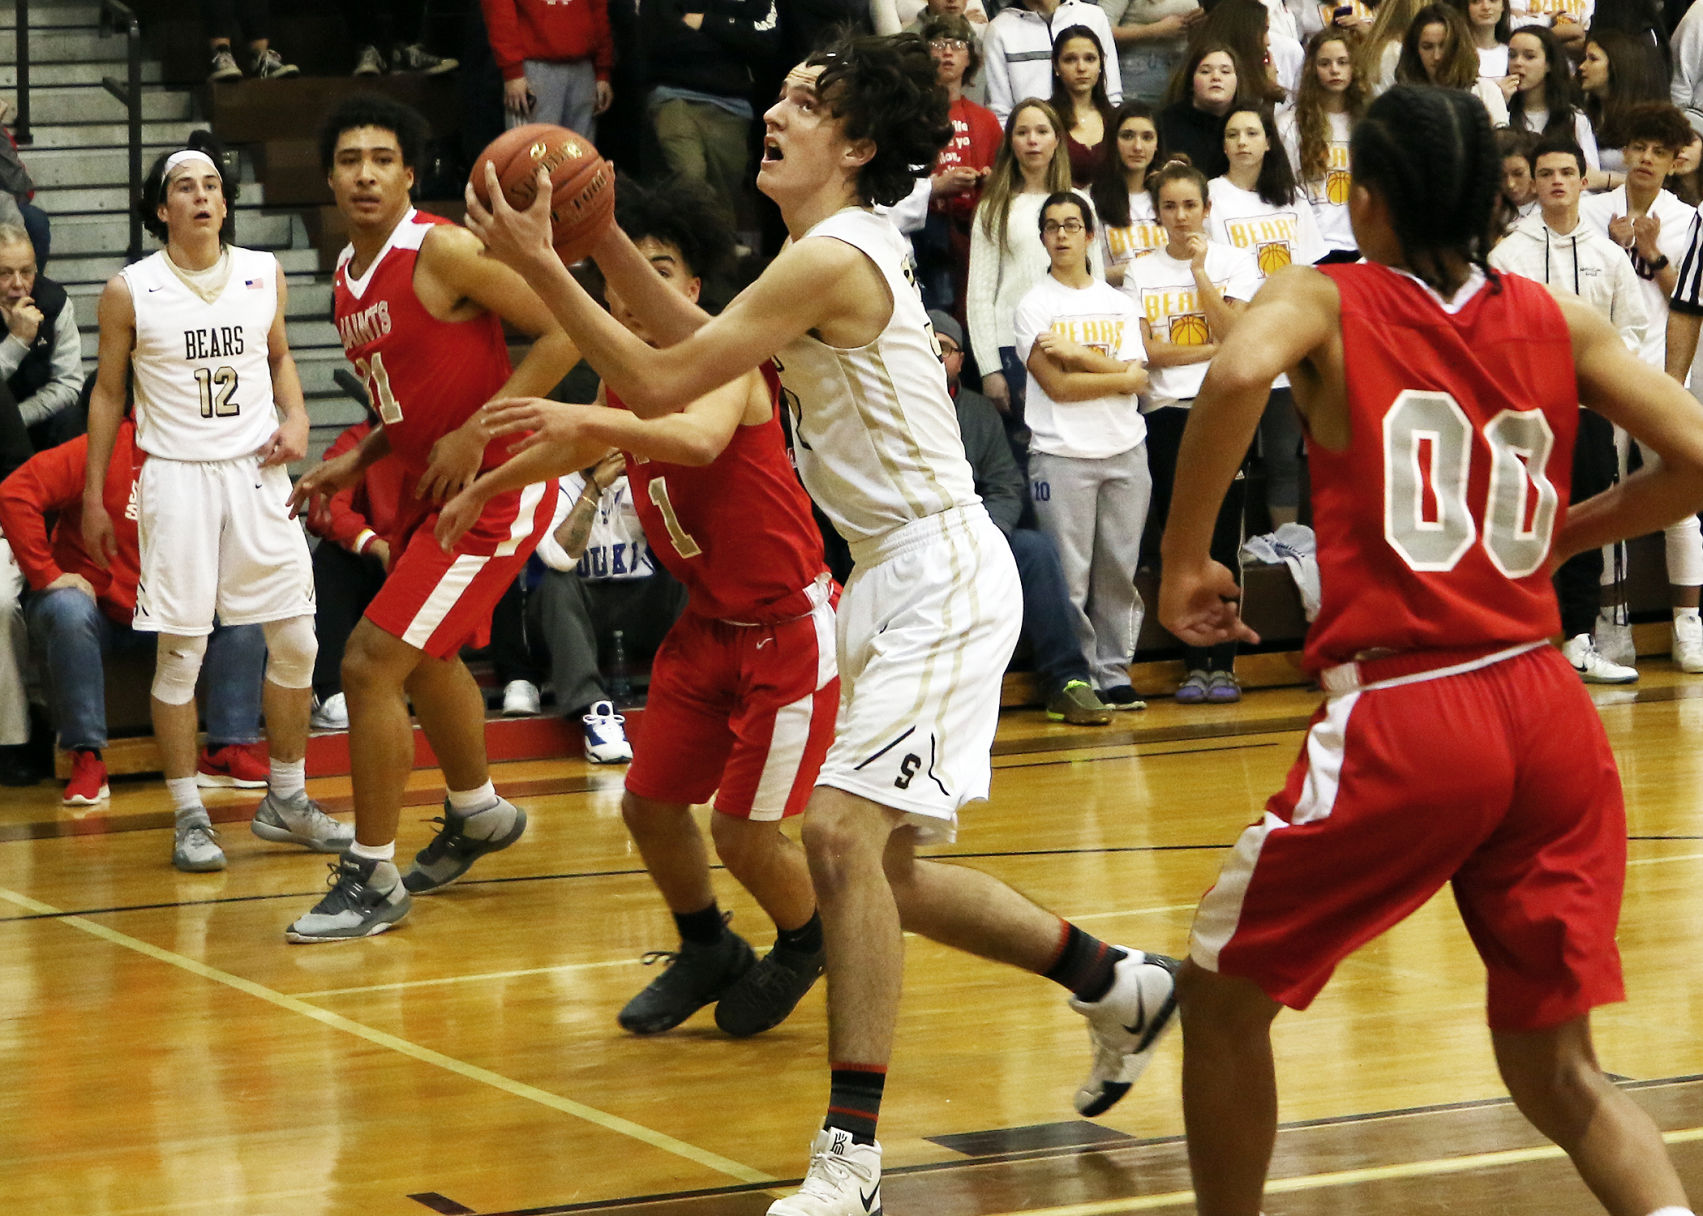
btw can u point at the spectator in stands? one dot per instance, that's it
(955, 187)
(1437, 50)
(894, 16)
(1005, 258)
(1019, 45)
(1684, 178)
(555, 60)
(1273, 61)
(1213, 82)
(1487, 22)
(518, 674)
(1332, 96)
(1080, 342)
(1617, 73)
(1189, 295)
(77, 613)
(1151, 37)
(700, 55)
(222, 18)
(354, 527)
(1686, 88)
(600, 577)
(1376, 57)
(1257, 207)
(1542, 101)
(1128, 228)
(1518, 196)
(41, 356)
(1079, 96)
(15, 765)
(1048, 614)
(1556, 246)
(17, 190)
(396, 26)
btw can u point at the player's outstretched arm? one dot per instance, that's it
(808, 284)
(1657, 412)
(1293, 316)
(116, 315)
(289, 442)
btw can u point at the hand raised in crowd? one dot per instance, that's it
(512, 237)
(23, 320)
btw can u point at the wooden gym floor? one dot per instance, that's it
(163, 1050)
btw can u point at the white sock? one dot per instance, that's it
(1680, 614)
(1673, 1211)
(467, 802)
(494, 818)
(373, 852)
(288, 779)
(185, 795)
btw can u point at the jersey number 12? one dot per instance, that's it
(218, 392)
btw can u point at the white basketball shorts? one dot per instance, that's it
(926, 627)
(217, 538)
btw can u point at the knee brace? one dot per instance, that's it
(177, 664)
(290, 648)
(1684, 544)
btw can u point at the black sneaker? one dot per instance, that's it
(453, 852)
(696, 975)
(767, 993)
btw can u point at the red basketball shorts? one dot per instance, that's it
(1497, 779)
(741, 712)
(439, 602)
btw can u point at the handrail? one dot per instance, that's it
(117, 17)
(21, 128)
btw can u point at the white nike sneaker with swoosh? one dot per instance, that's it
(1125, 1025)
(844, 1179)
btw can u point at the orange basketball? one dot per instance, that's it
(1337, 182)
(1189, 329)
(1272, 257)
(582, 183)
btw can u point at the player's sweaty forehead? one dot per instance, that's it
(805, 76)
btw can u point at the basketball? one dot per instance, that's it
(582, 199)
(1189, 329)
(1337, 185)
(1272, 257)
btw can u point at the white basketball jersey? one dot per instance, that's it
(203, 381)
(874, 430)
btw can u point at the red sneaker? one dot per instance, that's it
(237, 765)
(88, 780)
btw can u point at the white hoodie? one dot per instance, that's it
(1584, 262)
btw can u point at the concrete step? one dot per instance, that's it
(105, 135)
(90, 234)
(114, 197)
(73, 167)
(54, 12)
(63, 44)
(92, 103)
(77, 72)
(97, 269)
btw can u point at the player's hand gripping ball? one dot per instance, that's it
(582, 195)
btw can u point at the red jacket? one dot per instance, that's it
(976, 137)
(551, 30)
(355, 517)
(53, 481)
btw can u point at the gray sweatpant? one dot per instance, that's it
(566, 93)
(1095, 511)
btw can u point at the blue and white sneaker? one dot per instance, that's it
(606, 736)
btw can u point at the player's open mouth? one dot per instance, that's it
(772, 151)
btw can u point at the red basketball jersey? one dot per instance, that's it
(738, 531)
(425, 376)
(1434, 526)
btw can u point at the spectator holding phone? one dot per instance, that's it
(555, 59)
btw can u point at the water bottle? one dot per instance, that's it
(620, 681)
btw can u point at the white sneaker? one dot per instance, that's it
(520, 699)
(1688, 642)
(195, 846)
(1613, 637)
(331, 713)
(1592, 667)
(1125, 1025)
(844, 1179)
(369, 62)
(606, 736)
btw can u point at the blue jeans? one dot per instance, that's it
(1049, 618)
(73, 636)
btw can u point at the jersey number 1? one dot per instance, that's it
(377, 380)
(1428, 452)
(682, 540)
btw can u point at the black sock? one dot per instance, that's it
(806, 939)
(854, 1099)
(701, 928)
(1084, 964)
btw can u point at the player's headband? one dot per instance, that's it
(187, 156)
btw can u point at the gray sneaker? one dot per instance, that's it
(416, 58)
(366, 897)
(224, 66)
(300, 820)
(369, 62)
(695, 976)
(270, 65)
(195, 850)
(453, 851)
(763, 997)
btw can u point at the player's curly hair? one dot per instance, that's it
(1432, 157)
(884, 89)
(374, 110)
(153, 191)
(683, 212)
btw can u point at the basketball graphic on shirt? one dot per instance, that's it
(1272, 257)
(1337, 182)
(1189, 329)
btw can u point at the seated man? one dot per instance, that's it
(1047, 611)
(349, 564)
(41, 355)
(77, 613)
(600, 578)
